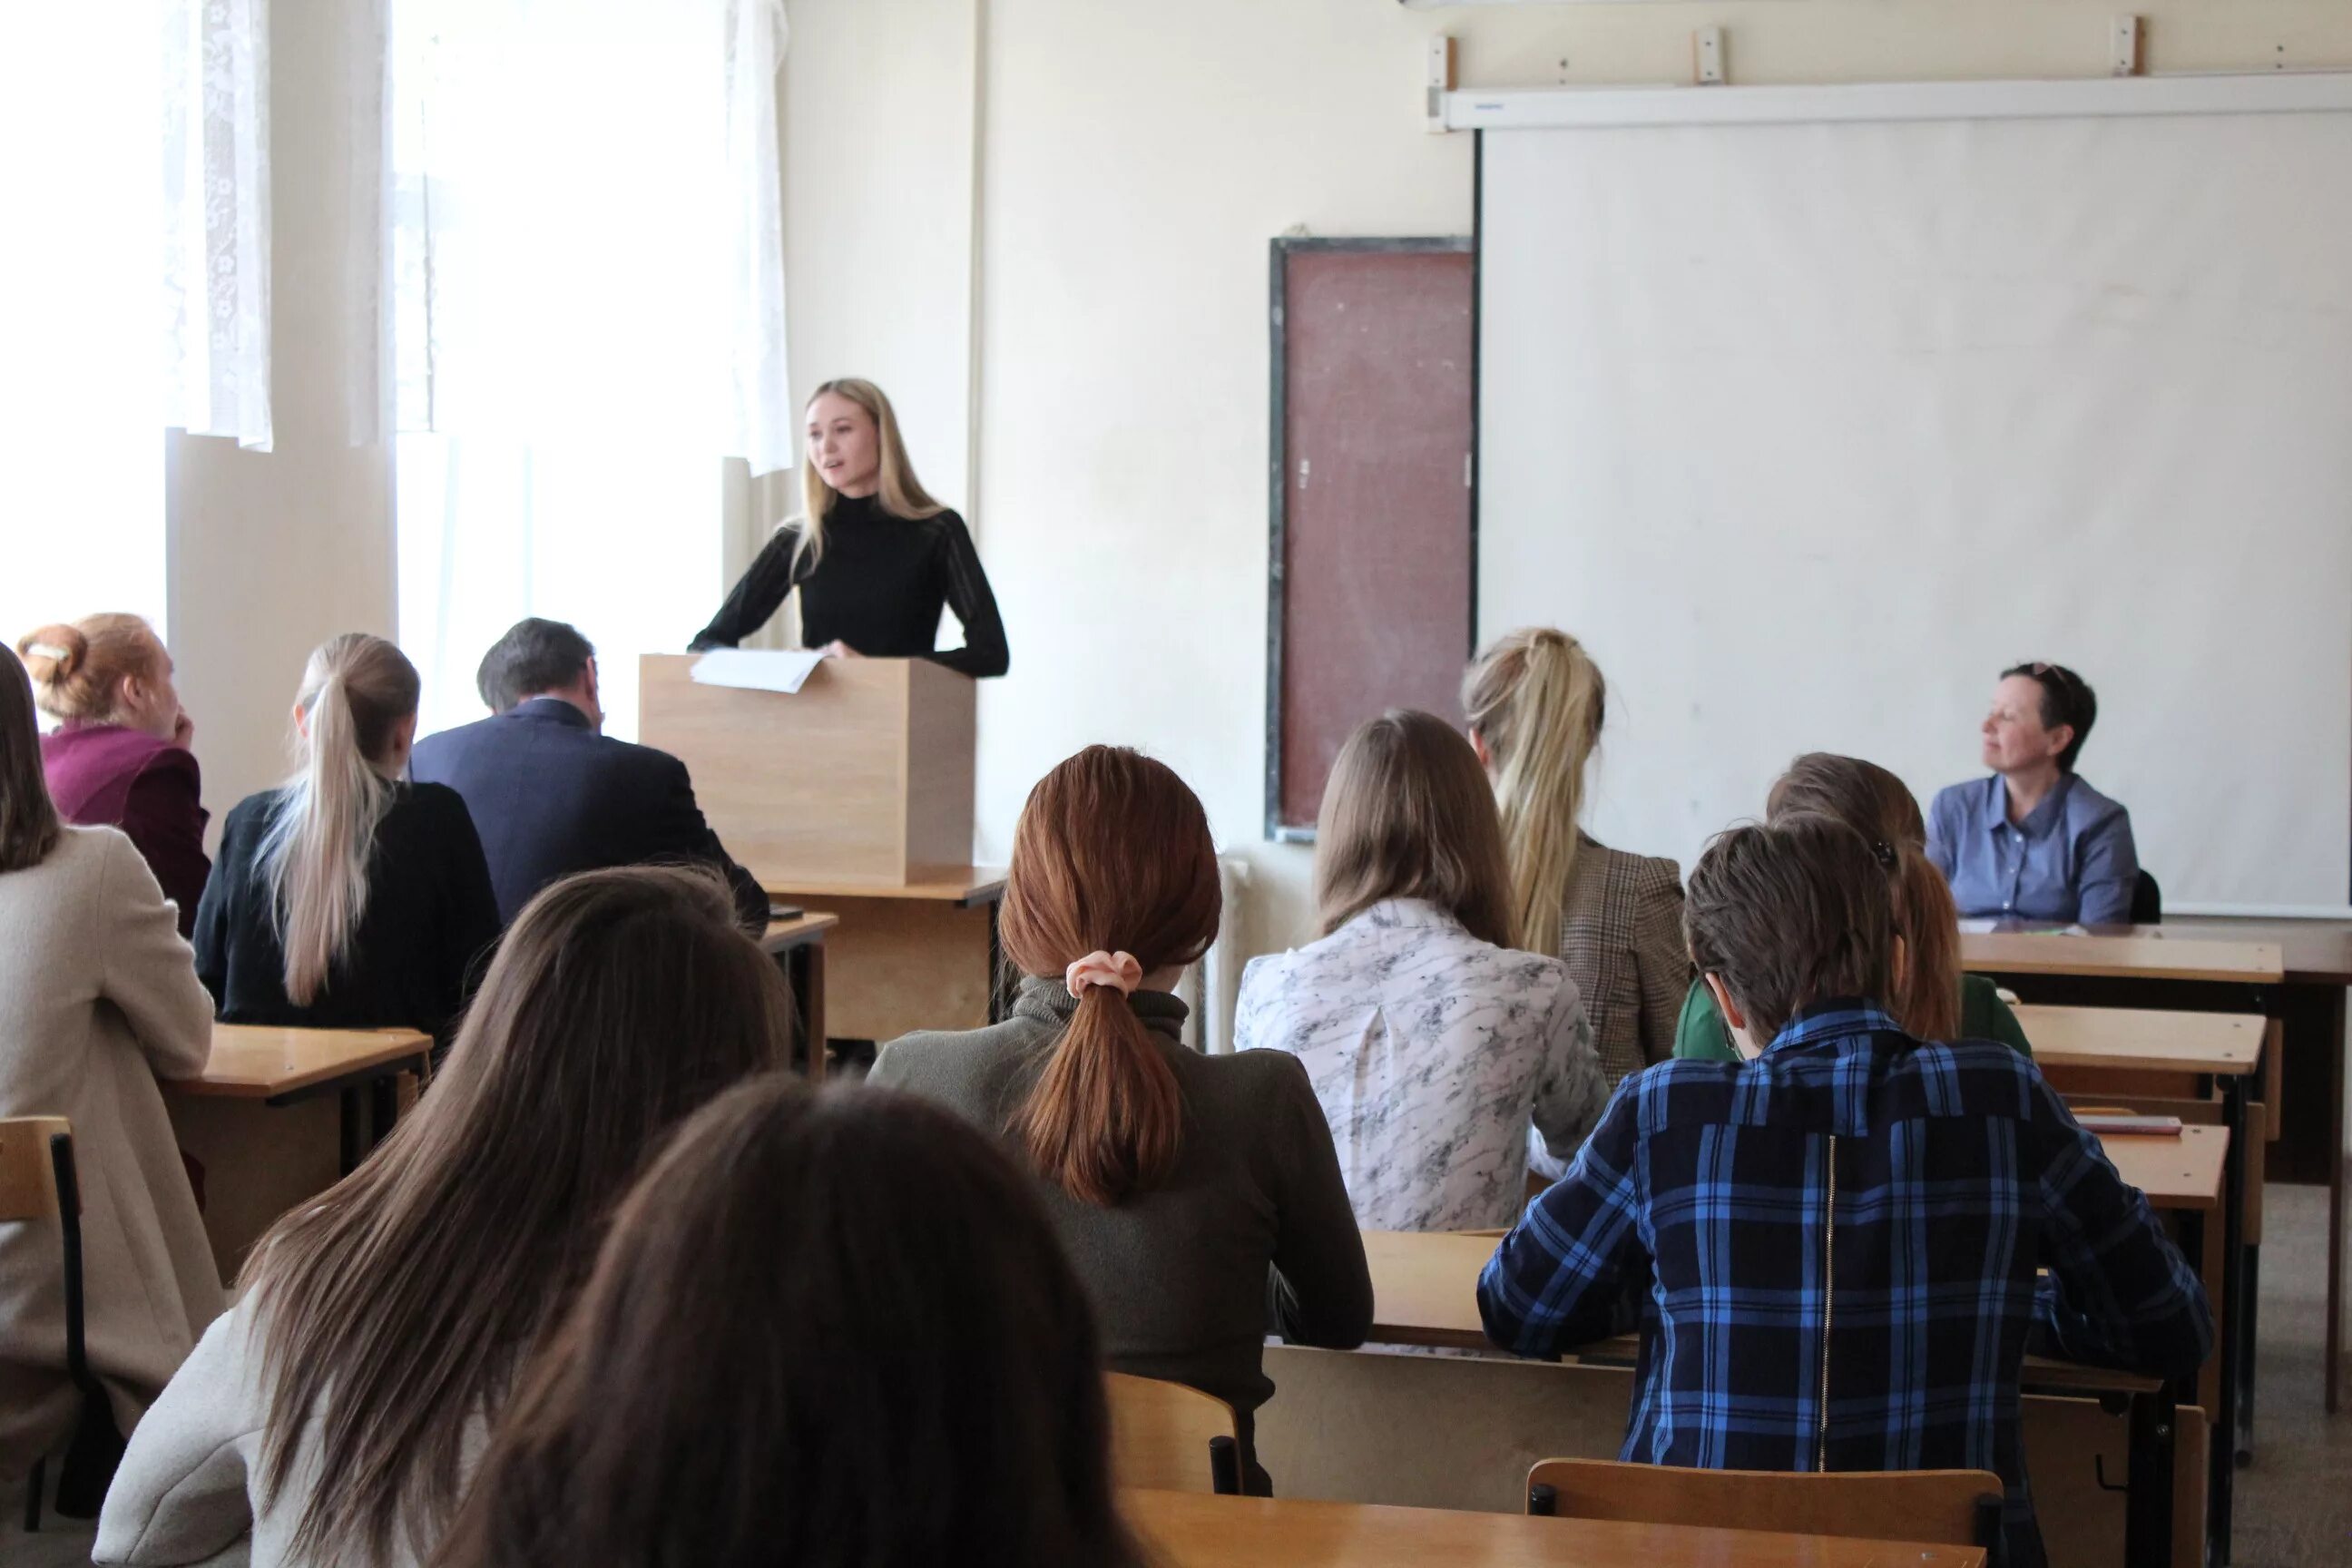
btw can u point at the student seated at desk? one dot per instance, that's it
(551, 794)
(1433, 1046)
(691, 1409)
(1838, 1240)
(1934, 1001)
(1175, 1180)
(1535, 702)
(336, 1413)
(97, 998)
(345, 897)
(2035, 841)
(119, 756)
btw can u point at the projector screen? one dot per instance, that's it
(1808, 430)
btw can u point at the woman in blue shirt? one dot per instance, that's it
(2035, 842)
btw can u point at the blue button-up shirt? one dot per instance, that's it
(1859, 1201)
(2070, 859)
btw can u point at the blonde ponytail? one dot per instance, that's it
(1537, 700)
(315, 853)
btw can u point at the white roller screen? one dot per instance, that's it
(1807, 430)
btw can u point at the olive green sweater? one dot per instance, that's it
(1700, 1034)
(1255, 1211)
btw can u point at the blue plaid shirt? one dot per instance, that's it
(1855, 1200)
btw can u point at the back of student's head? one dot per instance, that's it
(1882, 808)
(1408, 814)
(620, 1001)
(534, 656)
(1112, 854)
(831, 1330)
(28, 817)
(1790, 912)
(356, 692)
(1537, 700)
(79, 669)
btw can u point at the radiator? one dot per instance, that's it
(1211, 986)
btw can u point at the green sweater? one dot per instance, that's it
(1699, 1034)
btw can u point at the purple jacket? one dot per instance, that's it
(103, 775)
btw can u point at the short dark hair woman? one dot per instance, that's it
(834, 1331)
(2034, 841)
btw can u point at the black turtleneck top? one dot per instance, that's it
(879, 588)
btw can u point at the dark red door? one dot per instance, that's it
(1372, 603)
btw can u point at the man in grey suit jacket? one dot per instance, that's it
(550, 794)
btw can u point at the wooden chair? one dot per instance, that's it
(1169, 1437)
(37, 1186)
(1957, 1508)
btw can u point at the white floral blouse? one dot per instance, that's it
(1433, 1053)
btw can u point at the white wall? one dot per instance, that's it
(1137, 156)
(273, 552)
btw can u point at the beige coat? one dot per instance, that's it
(98, 998)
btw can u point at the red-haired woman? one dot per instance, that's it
(1175, 1180)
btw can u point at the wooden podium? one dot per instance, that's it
(853, 796)
(863, 776)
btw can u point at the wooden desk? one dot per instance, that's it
(257, 1117)
(1198, 1530)
(2173, 966)
(2224, 1045)
(908, 956)
(798, 945)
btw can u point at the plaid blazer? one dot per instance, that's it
(1840, 1243)
(1621, 935)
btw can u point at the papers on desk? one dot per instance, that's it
(2002, 925)
(755, 669)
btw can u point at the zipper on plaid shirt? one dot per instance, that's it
(1829, 1307)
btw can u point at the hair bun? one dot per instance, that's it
(53, 653)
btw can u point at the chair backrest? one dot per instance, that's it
(2148, 901)
(1169, 1437)
(28, 1184)
(1953, 1508)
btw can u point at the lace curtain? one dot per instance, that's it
(215, 217)
(92, 183)
(587, 318)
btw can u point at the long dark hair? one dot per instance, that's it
(1112, 854)
(397, 1308)
(831, 1330)
(28, 817)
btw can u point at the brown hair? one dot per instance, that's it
(1537, 700)
(674, 1419)
(315, 852)
(1877, 805)
(28, 817)
(397, 1307)
(1408, 814)
(1788, 914)
(78, 669)
(1112, 854)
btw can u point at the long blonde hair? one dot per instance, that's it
(355, 691)
(902, 494)
(1537, 700)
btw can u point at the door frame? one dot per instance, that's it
(1278, 462)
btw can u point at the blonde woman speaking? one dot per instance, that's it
(874, 558)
